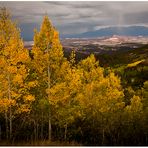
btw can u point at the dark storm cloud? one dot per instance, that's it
(76, 17)
(28, 28)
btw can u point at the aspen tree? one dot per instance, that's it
(101, 95)
(14, 93)
(48, 56)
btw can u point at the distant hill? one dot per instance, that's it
(130, 65)
(105, 32)
(110, 31)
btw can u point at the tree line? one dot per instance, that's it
(44, 96)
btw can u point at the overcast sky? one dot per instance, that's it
(77, 17)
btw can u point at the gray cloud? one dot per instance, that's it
(138, 17)
(76, 17)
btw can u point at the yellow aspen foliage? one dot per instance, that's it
(5, 103)
(72, 58)
(23, 109)
(29, 98)
(64, 96)
(145, 95)
(46, 64)
(99, 92)
(13, 63)
(135, 106)
(32, 83)
(134, 111)
(90, 69)
(47, 56)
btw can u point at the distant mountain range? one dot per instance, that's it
(110, 31)
(104, 32)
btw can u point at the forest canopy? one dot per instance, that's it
(46, 96)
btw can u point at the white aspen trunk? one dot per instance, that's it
(42, 126)
(35, 131)
(49, 129)
(10, 110)
(65, 134)
(49, 122)
(6, 124)
(10, 123)
(103, 136)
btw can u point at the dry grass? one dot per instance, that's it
(39, 143)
